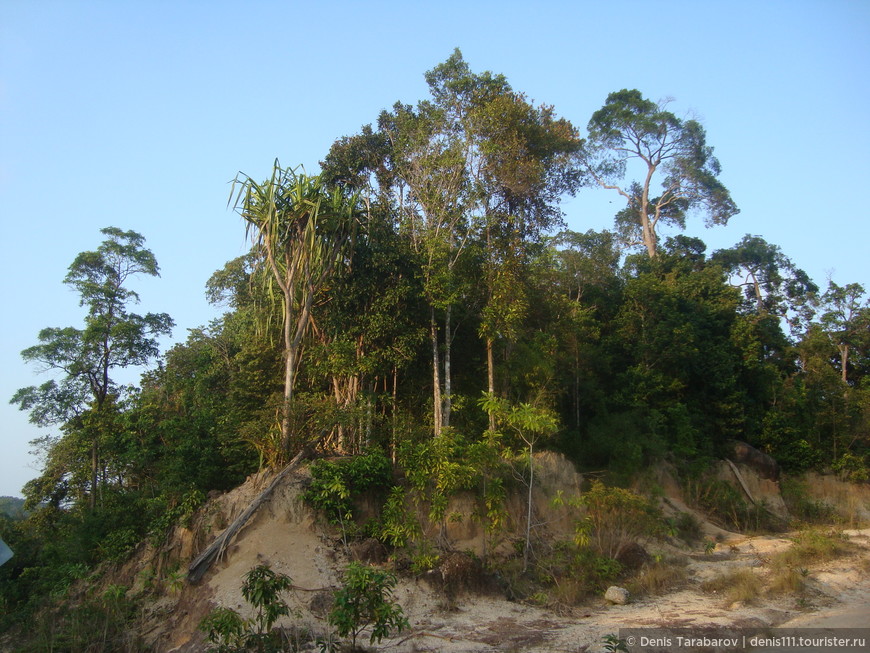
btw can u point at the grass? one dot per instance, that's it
(813, 546)
(741, 585)
(788, 580)
(659, 577)
(790, 568)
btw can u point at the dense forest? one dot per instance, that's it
(420, 298)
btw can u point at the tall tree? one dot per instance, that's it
(302, 230)
(771, 283)
(846, 319)
(630, 128)
(429, 161)
(112, 338)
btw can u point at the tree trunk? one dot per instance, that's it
(490, 379)
(289, 366)
(529, 511)
(436, 376)
(844, 363)
(395, 415)
(448, 338)
(95, 463)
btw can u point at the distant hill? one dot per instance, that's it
(12, 507)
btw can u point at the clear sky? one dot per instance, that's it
(138, 114)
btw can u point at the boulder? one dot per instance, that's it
(763, 465)
(616, 595)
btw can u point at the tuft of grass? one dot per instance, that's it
(813, 546)
(788, 580)
(659, 577)
(741, 585)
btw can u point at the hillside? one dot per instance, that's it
(12, 507)
(460, 609)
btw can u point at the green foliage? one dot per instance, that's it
(615, 518)
(436, 469)
(12, 508)
(335, 484)
(365, 600)
(103, 623)
(229, 632)
(398, 528)
(724, 504)
(613, 643)
(179, 514)
(262, 589)
(224, 628)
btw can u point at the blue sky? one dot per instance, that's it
(138, 114)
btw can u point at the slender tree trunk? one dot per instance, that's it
(490, 362)
(395, 415)
(436, 377)
(448, 339)
(490, 379)
(529, 511)
(844, 363)
(293, 341)
(95, 464)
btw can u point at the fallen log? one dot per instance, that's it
(204, 560)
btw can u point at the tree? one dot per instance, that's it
(846, 320)
(528, 423)
(771, 283)
(302, 230)
(629, 127)
(112, 338)
(366, 599)
(428, 160)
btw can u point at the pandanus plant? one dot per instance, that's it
(303, 231)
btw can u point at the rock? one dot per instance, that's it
(369, 550)
(765, 466)
(321, 604)
(633, 556)
(616, 595)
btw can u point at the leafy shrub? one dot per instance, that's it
(616, 517)
(365, 600)
(397, 526)
(118, 544)
(577, 572)
(334, 483)
(723, 503)
(228, 631)
(224, 628)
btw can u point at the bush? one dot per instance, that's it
(615, 518)
(365, 599)
(723, 503)
(334, 483)
(228, 631)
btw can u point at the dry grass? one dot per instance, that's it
(660, 576)
(788, 580)
(813, 546)
(736, 586)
